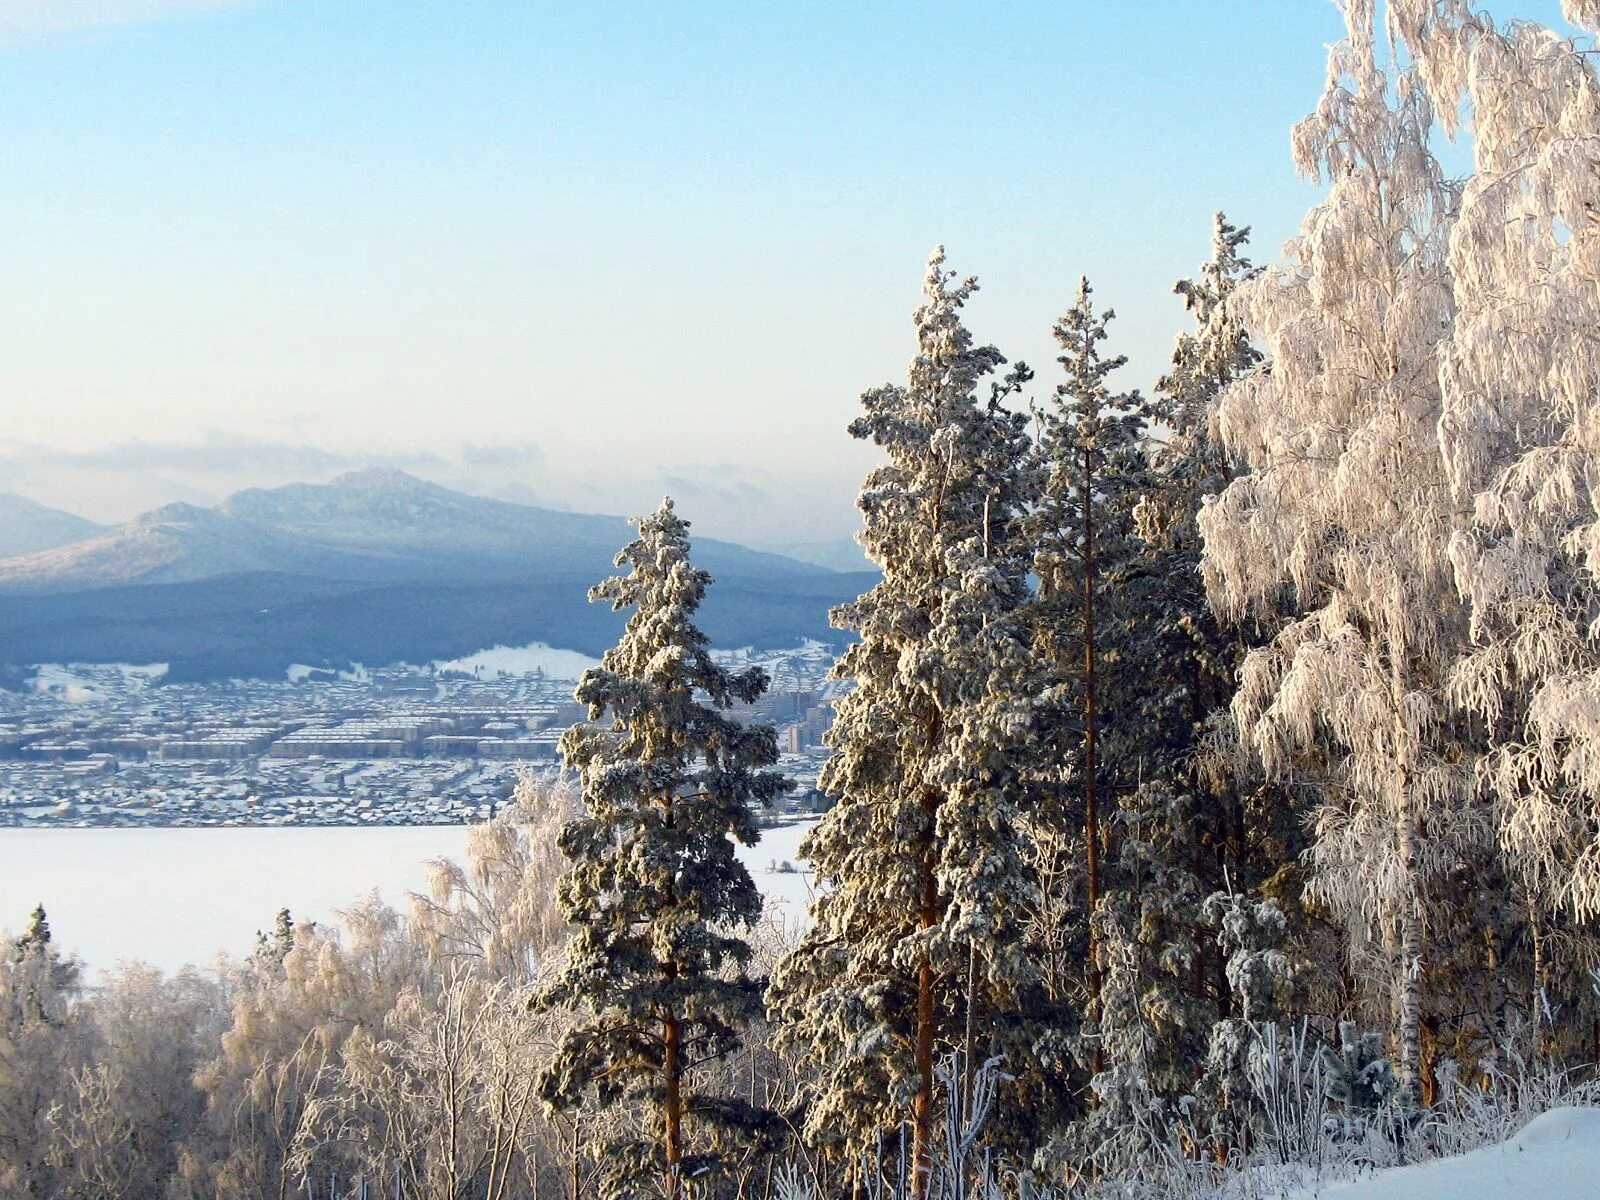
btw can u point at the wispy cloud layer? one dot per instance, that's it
(116, 480)
(212, 453)
(22, 20)
(723, 491)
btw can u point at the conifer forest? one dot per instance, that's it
(1215, 801)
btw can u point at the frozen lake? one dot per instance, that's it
(176, 896)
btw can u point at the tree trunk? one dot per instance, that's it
(969, 1039)
(1091, 812)
(1409, 999)
(922, 1109)
(672, 1070)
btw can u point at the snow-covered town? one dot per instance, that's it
(112, 745)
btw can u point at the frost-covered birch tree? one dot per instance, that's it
(1521, 423)
(1345, 509)
(656, 964)
(916, 945)
(496, 912)
(293, 1009)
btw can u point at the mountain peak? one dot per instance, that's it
(27, 527)
(372, 493)
(178, 512)
(385, 479)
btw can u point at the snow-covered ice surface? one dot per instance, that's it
(775, 865)
(1555, 1157)
(175, 896)
(554, 662)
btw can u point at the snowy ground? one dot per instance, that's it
(1555, 1157)
(75, 682)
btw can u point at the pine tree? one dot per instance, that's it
(655, 893)
(916, 945)
(1360, 1077)
(271, 949)
(1186, 833)
(1345, 510)
(1084, 550)
(42, 981)
(40, 1039)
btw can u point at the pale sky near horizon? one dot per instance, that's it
(584, 254)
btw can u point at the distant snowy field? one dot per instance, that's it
(176, 896)
(68, 681)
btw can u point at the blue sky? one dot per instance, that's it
(582, 254)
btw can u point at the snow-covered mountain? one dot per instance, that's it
(843, 555)
(367, 526)
(375, 567)
(27, 527)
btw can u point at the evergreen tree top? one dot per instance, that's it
(661, 645)
(1084, 413)
(1218, 350)
(38, 926)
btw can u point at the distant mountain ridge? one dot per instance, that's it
(375, 567)
(27, 527)
(845, 554)
(377, 525)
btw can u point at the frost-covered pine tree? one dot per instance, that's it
(1346, 510)
(1085, 615)
(1188, 827)
(40, 1042)
(656, 964)
(1521, 426)
(1187, 460)
(915, 947)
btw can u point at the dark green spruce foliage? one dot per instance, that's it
(656, 967)
(1183, 831)
(1085, 620)
(916, 945)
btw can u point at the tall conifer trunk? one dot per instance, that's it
(1091, 810)
(672, 1069)
(922, 1111)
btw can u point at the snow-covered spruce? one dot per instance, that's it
(916, 945)
(657, 898)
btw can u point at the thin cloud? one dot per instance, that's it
(514, 454)
(211, 454)
(22, 20)
(731, 492)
